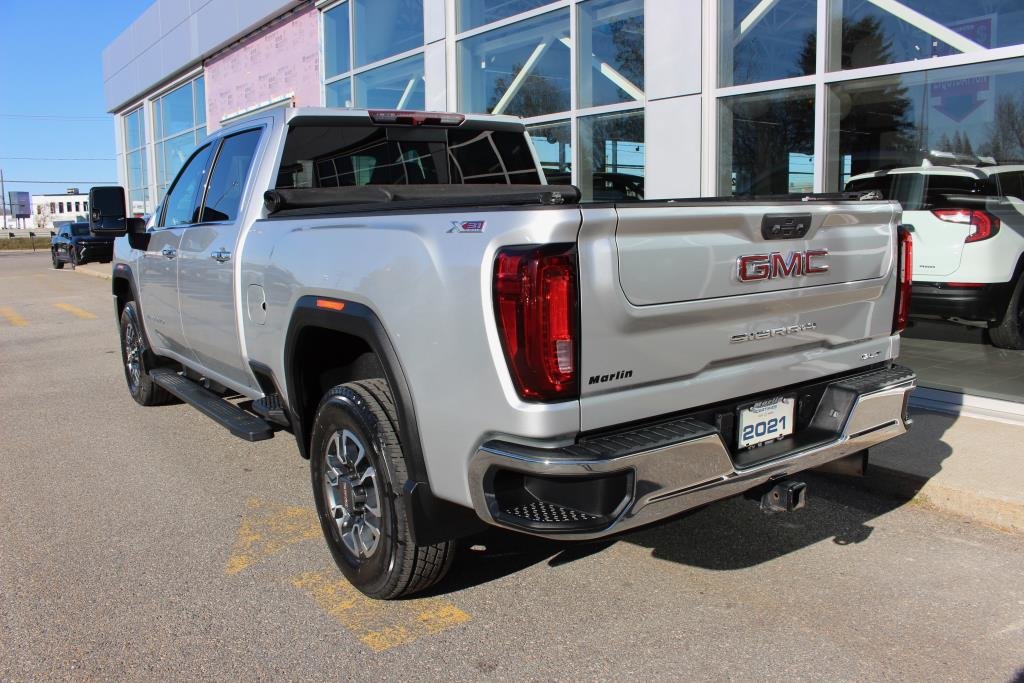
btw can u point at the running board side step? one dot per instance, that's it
(237, 421)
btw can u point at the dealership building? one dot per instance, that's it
(694, 97)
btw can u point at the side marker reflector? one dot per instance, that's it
(330, 304)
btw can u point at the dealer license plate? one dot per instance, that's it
(765, 421)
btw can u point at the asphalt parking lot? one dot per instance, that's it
(148, 543)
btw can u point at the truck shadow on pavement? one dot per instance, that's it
(728, 535)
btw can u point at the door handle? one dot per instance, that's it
(221, 255)
(168, 252)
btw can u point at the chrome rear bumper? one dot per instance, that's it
(686, 465)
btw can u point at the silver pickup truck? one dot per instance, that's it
(455, 343)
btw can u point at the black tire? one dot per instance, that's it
(1009, 334)
(134, 347)
(57, 263)
(363, 413)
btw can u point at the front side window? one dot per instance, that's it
(523, 69)
(181, 207)
(227, 181)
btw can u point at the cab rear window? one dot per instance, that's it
(359, 155)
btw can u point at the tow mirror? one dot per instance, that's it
(108, 216)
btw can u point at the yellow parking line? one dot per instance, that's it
(268, 528)
(12, 317)
(377, 624)
(76, 311)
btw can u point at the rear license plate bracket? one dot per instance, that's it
(764, 421)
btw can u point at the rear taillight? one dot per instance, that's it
(983, 224)
(537, 311)
(905, 276)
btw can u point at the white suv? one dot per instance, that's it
(968, 239)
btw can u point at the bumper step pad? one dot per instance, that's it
(237, 421)
(551, 513)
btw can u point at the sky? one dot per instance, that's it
(55, 131)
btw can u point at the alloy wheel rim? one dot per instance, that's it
(352, 492)
(132, 354)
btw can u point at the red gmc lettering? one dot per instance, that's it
(771, 266)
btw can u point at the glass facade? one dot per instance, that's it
(522, 69)
(553, 142)
(358, 35)
(179, 120)
(611, 54)
(135, 160)
(337, 43)
(765, 41)
(873, 33)
(473, 13)
(398, 85)
(612, 156)
(384, 28)
(920, 102)
(974, 111)
(766, 143)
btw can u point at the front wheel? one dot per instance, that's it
(1009, 334)
(357, 469)
(137, 359)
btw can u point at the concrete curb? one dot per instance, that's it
(991, 510)
(94, 273)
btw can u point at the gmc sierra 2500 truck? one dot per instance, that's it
(454, 342)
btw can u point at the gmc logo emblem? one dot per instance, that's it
(773, 266)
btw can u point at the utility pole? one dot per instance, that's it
(3, 197)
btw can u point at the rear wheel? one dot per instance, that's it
(358, 469)
(57, 263)
(138, 360)
(1009, 334)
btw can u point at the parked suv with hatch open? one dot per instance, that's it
(967, 225)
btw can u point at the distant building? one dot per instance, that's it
(49, 209)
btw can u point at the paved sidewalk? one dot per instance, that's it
(963, 465)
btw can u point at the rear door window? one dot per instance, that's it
(227, 181)
(1011, 184)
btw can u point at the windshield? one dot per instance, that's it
(347, 156)
(80, 229)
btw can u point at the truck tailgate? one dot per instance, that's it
(667, 322)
